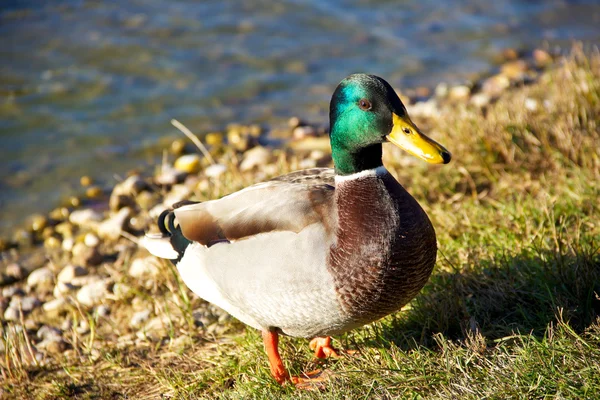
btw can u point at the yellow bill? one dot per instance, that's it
(407, 136)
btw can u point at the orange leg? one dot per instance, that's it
(271, 341)
(322, 347)
(311, 381)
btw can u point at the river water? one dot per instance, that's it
(89, 87)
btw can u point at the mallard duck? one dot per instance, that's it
(317, 252)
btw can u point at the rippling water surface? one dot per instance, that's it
(89, 87)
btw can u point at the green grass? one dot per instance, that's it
(511, 311)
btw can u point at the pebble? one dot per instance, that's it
(514, 70)
(69, 272)
(93, 192)
(510, 54)
(542, 58)
(255, 157)
(531, 104)
(47, 332)
(157, 210)
(177, 146)
(65, 229)
(84, 255)
(38, 222)
(302, 132)
(121, 290)
(307, 163)
(294, 122)
(144, 267)
(60, 213)
(139, 318)
(495, 85)
(215, 170)
(92, 293)
(181, 342)
(189, 163)
(31, 325)
(123, 193)
(111, 228)
(170, 176)
(238, 140)
(86, 217)
(63, 288)
(311, 143)
(214, 139)
(39, 277)
(66, 325)
(147, 200)
(22, 238)
(85, 181)
(54, 304)
(52, 243)
(27, 304)
(54, 345)
(125, 341)
(480, 100)
(427, 109)
(176, 194)
(91, 240)
(460, 92)
(441, 90)
(102, 311)
(11, 291)
(11, 314)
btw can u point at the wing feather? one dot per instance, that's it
(287, 203)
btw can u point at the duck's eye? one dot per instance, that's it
(364, 104)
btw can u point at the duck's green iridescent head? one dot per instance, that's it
(366, 112)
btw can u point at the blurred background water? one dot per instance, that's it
(89, 87)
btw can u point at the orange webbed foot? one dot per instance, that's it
(314, 380)
(323, 348)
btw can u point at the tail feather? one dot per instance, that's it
(170, 243)
(160, 246)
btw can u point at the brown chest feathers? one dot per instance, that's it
(386, 247)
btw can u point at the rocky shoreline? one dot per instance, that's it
(75, 279)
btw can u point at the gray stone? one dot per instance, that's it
(480, 100)
(15, 271)
(27, 304)
(11, 291)
(215, 170)
(69, 272)
(54, 305)
(144, 267)
(46, 332)
(123, 194)
(40, 276)
(62, 288)
(255, 157)
(176, 194)
(12, 314)
(111, 228)
(91, 240)
(139, 318)
(88, 256)
(102, 311)
(170, 176)
(86, 217)
(92, 293)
